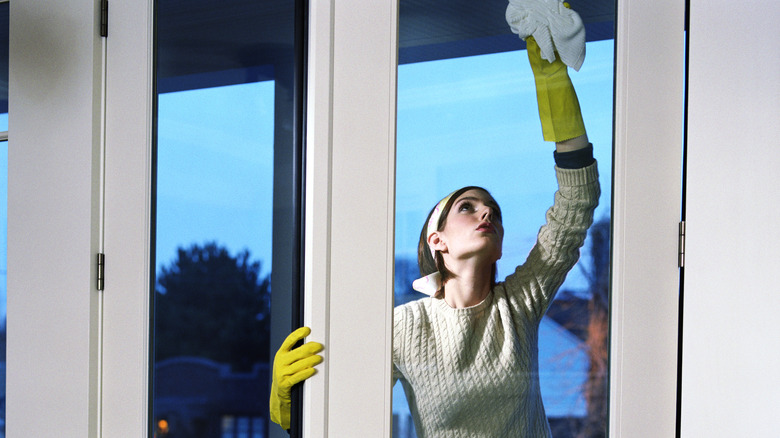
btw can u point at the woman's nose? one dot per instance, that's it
(487, 214)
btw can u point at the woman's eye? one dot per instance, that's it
(466, 206)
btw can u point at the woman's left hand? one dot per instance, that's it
(291, 366)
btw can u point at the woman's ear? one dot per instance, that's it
(436, 242)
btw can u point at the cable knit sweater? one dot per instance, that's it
(473, 372)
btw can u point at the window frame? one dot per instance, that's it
(649, 79)
(102, 377)
(346, 288)
(129, 127)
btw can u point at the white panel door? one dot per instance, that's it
(54, 147)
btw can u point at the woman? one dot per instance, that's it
(468, 356)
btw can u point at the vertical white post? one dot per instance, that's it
(646, 212)
(129, 97)
(350, 214)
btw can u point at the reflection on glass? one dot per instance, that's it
(224, 138)
(472, 120)
(212, 303)
(228, 426)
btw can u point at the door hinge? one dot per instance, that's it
(104, 18)
(681, 246)
(101, 266)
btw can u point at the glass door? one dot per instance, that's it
(227, 213)
(467, 116)
(352, 93)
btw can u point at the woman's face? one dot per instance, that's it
(473, 227)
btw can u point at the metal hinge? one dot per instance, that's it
(101, 266)
(104, 18)
(681, 246)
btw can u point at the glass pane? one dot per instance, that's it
(225, 161)
(467, 116)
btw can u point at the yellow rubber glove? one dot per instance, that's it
(291, 367)
(559, 109)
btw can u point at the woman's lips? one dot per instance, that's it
(486, 227)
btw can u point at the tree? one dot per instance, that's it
(214, 305)
(597, 330)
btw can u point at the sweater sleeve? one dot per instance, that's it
(400, 314)
(533, 285)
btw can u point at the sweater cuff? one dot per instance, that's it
(577, 177)
(574, 159)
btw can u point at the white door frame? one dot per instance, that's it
(649, 79)
(128, 212)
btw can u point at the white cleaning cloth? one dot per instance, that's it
(554, 27)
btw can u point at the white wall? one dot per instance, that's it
(731, 345)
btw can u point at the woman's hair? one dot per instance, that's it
(426, 261)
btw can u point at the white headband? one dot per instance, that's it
(431, 283)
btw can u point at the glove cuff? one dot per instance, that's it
(279, 408)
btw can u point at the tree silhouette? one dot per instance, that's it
(213, 305)
(597, 330)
